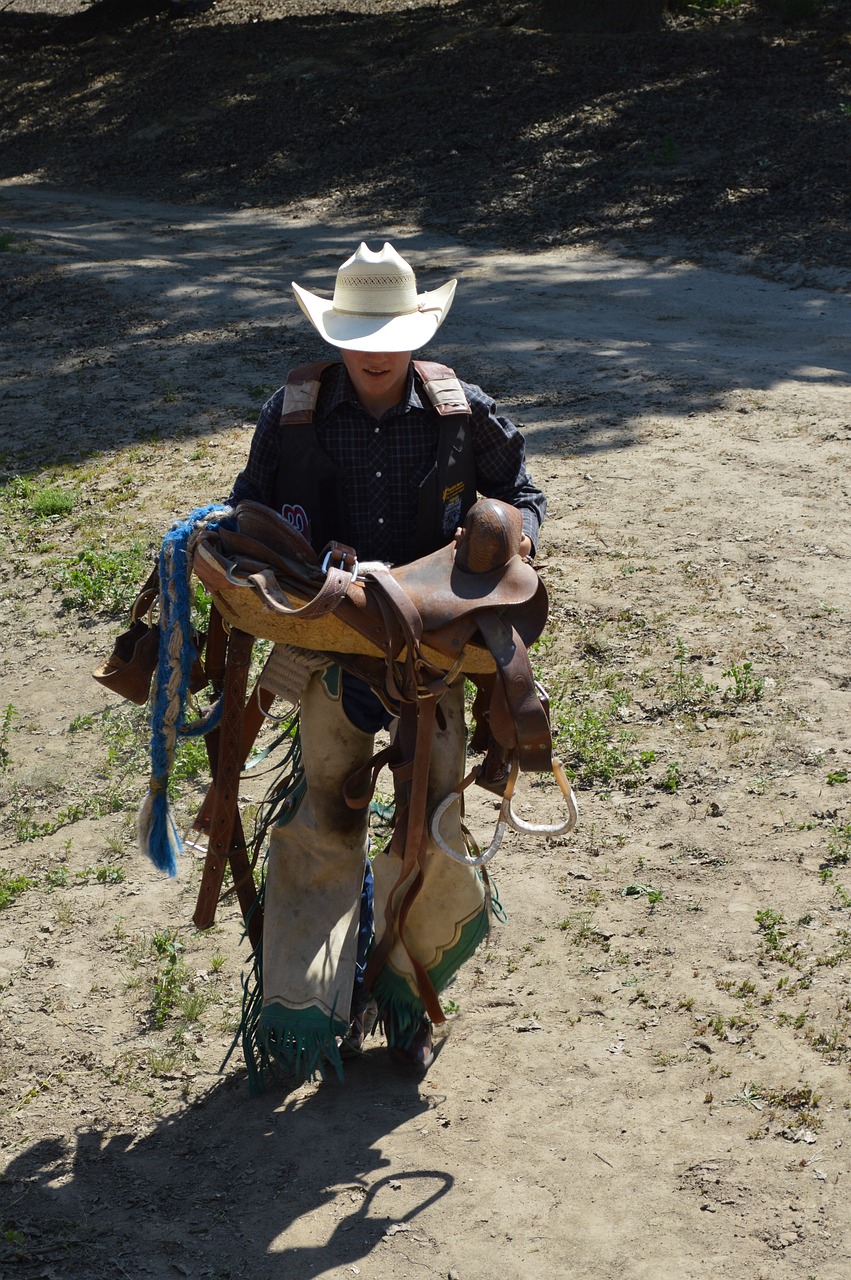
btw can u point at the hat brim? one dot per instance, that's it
(378, 333)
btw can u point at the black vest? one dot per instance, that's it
(309, 490)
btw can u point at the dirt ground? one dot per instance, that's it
(645, 1073)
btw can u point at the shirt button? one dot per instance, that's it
(378, 475)
(376, 430)
(381, 519)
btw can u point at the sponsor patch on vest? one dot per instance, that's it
(297, 517)
(452, 496)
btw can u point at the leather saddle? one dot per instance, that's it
(334, 604)
(473, 607)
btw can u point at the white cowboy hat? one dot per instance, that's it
(376, 306)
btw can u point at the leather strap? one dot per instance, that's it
(410, 841)
(517, 717)
(226, 841)
(255, 713)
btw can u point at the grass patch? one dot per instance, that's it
(52, 501)
(838, 850)
(41, 500)
(102, 581)
(170, 976)
(12, 886)
(594, 748)
(6, 727)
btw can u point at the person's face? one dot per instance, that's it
(378, 376)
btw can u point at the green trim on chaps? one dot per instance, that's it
(400, 1012)
(297, 1042)
(303, 1042)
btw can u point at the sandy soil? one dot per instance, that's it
(647, 1074)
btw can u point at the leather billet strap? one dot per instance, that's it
(444, 391)
(226, 840)
(410, 844)
(518, 719)
(302, 392)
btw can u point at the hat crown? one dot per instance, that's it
(376, 284)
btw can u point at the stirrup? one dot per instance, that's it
(507, 816)
(541, 829)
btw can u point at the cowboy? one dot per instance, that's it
(386, 455)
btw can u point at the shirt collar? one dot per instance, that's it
(341, 391)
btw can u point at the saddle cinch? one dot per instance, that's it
(469, 609)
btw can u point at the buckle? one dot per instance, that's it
(339, 556)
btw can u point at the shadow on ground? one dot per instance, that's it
(128, 321)
(729, 130)
(219, 1187)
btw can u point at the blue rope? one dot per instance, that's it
(158, 836)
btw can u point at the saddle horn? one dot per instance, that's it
(491, 536)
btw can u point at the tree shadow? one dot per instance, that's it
(465, 118)
(131, 321)
(225, 1187)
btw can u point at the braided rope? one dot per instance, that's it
(157, 834)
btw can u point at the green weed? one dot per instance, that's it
(639, 890)
(839, 891)
(6, 727)
(839, 848)
(594, 749)
(51, 501)
(56, 878)
(169, 978)
(190, 762)
(12, 886)
(687, 690)
(771, 926)
(127, 734)
(672, 779)
(103, 581)
(191, 1004)
(747, 687)
(27, 828)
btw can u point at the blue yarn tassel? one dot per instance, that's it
(157, 833)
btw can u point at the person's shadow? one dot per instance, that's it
(221, 1188)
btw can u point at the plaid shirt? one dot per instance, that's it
(385, 460)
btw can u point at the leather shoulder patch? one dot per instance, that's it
(301, 393)
(442, 387)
